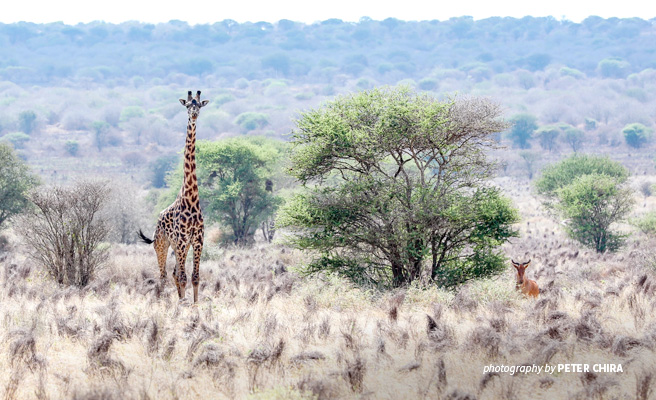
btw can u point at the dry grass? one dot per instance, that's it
(263, 332)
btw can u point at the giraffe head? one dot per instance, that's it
(520, 267)
(193, 104)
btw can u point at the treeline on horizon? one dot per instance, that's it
(386, 51)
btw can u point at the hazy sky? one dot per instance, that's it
(207, 11)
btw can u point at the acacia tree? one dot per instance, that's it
(15, 183)
(395, 188)
(523, 126)
(590, 192)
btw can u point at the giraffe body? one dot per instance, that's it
(180, 225)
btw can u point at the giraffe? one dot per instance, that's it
(180, 225)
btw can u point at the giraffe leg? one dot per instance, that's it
(161, 244)
(195, 277)
(181, 276)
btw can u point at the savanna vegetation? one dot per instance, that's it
(397, 208)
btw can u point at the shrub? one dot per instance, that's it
(15, 182)
(27, 121)
(523, 126)
(647, 223)
(72, 147)
(590, 192)
(232, 177)
(547, 136)
(100, 134)
(160, 168)
(574, 138)
(249, 121)
(636, 134)
(130, 112)
(17, 139)
(65, 229)
(613, 68)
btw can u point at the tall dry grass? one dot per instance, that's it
(262, 331)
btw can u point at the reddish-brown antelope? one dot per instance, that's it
(525, 285)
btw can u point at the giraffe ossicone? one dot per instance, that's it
(180, 225)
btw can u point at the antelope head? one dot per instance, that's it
(520, 267)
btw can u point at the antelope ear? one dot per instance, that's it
(527, 263)
(204, 103)
(183, 102)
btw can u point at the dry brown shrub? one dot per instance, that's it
(644, 385)
(354, 373)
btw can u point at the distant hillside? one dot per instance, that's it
(383, 51)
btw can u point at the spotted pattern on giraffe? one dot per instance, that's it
(180, 226)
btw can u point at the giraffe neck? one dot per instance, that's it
(189, 189)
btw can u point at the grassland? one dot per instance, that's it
(262, 331)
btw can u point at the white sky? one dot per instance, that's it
(209, 11)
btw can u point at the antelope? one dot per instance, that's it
(526, 286)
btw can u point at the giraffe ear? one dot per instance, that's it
(183, 102)
(204, 103)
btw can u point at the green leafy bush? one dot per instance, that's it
(249, 121)
(523, 126)
(72, 147)
(591, 194)
(16, 180)
(636, 134)
(17, 139)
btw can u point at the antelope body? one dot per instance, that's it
(525, 285)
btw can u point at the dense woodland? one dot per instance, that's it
(383, 51)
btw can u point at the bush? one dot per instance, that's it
(574, 138)
(65, 229)
(17, 139)
(130, 112)
(590, 192)
(232, 177)
(523, 126)
(647, 224)
(613, 68)
(15, 183)
(249, 121)
(397, 189)
(636, 134)
(100, 134)
(72, 147)
(547, 136)
(160, 168)
(27, 121)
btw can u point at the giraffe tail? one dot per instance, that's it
(144, 238)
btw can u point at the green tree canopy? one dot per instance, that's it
(591, 194)
(15, 182)
(395, 188)
(636, 134)
(523, 126)
(555, 177)
(232, 175)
